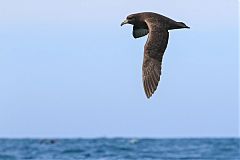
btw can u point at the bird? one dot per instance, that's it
(157, 27)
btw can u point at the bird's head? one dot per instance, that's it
(131, 19)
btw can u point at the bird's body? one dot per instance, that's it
(157, 27)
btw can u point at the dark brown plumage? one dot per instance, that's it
(157, 27)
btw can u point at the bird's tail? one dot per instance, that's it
(178, 25)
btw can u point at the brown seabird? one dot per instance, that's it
(157, 26)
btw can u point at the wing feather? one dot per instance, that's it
(139, 31)
(153, 54)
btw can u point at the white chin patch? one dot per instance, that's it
(140, 32)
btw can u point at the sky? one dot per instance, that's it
(69, 70)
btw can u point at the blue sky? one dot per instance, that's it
(69, 70)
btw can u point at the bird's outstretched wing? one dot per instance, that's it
(139, 31)
(153, 54)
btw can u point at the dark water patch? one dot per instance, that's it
(7, 157)
(72, 151)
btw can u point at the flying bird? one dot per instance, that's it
(156, 26)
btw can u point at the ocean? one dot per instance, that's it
(120, 149)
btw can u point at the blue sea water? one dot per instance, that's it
(120, 149)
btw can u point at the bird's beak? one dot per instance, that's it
(124, 22)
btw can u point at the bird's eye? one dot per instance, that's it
(130, 18)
